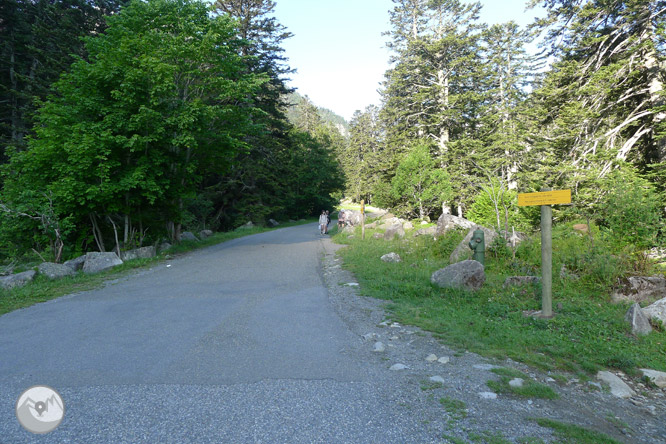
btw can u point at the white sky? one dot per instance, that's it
(339, 52)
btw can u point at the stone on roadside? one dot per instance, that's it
(656, 311)
(437, 378)
(517, 382)
(447, 222)
(391, 257)
(77, 263)
(640, 324)
(488, 395)
(188, 236)
(17, 280)
(516, 281)
(444, 360)
(379, 347)
(273, 223)
(138, 253)
(396, 367)
(54, 271)
(431, 358)
(463, 251)
(164, 246)
(203, 234)
(617, 386)
(656, 377)
(249, 224)
(98, 261)
(408, 226)
(393, 231)
(640, 289)
(467, 275)
(429, 231)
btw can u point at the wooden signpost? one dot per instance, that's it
(363, 219)
(545, 199)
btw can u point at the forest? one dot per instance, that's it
(123, 123)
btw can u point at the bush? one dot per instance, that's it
(483, 211)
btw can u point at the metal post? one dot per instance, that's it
(546, 260)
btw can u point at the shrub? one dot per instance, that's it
(483, 211)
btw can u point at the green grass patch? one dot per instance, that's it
(455, 408)
(573, 434)
(588, 332)
(43, 289)
(530, 388)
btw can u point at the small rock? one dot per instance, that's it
(273, 223)
(395, 325)
(656, 377)
(138, 253)
(394, 338)
(203, 234)
(444, 360)
(640, 325)
(550, 380)
(369, 336)
(351, 284)
(391, 257)
(488, 395)
(100, 261)
(656, 310)
(617, 386)
(431, 358)
(517, 382)
(408, 226)
(379, 347)
(77, 263)
(437, 378)
(188, 236)
(396, 367)
(164, 246)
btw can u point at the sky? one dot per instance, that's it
(339, 52)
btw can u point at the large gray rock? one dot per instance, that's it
(430, 231)
(77, 263)
(468, 275)
(617, 386)
(393, 231)
(640, 289)
(138, 253)
(517, 281)
(463, 251)
(447, 222)
(391, 257)
(203, 234)
(656, 310)
(353, 217)
(273, 223)
(164, 246)
(17, 280)
(55, 271)
(188, 236)
(97, 261)
(640, 324)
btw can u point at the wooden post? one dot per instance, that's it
(363, 219)
(546, 260)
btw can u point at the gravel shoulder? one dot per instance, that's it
(641, 419)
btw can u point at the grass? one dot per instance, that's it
(530, 388)
(43, 289)
(455, 408)
(588, 333)
(573, 434)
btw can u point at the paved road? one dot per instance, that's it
(236, 343)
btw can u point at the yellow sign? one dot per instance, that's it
(544, 198)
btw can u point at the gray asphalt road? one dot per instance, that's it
(236, 343)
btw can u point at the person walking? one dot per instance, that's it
(328, 221)
(323, 221)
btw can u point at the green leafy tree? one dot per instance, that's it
(420, 185)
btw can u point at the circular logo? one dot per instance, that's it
(40, 409)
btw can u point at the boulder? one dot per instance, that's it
(430, 231)
(516, 281)
(138, 253)
(393, 231)
(249, 224)
(353, 217)
(273, 223)
(391, 257)
(640, 289)
(349, 229)
(98, 261)
(203, 234)
(77, 263)
(188, 236)
(17, 280)
(164, 246)
(640, 325)
(448, 222)
(54, 271)
(468, 275)
(387, 216)
(617, 386)
(408, 226)
(656, 311)
(463, 251)
(656, 377)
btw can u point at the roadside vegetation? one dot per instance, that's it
(587, 334)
